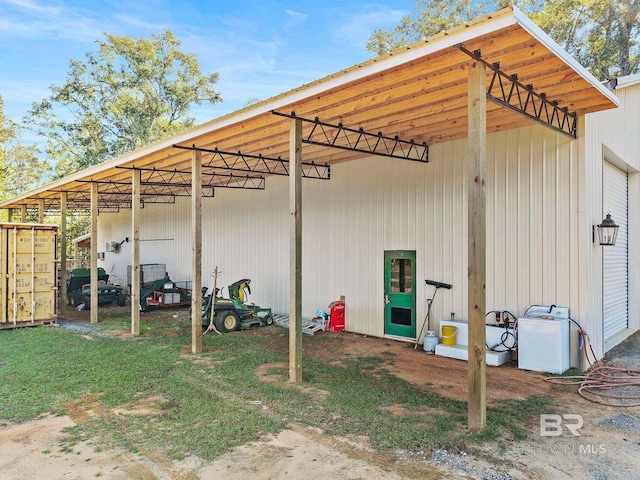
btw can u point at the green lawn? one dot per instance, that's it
(212, 402)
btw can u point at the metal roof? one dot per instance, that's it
(417, 93)
(627, 81)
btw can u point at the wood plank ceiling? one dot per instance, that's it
(423, 98)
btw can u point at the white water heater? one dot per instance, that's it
(543, 339)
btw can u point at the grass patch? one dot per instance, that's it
(209, 403)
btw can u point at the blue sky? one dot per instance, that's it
(260, 48)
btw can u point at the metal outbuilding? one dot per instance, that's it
(472, 149)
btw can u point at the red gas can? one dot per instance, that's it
(336, 322)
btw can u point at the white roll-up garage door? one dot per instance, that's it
(615, 258)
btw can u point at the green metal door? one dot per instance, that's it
(400, 293)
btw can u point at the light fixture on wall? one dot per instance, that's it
(607, 231)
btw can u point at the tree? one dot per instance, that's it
(127, 94)
(20, 168)
(430, 17)
(601, 34)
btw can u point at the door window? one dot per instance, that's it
(401, 275)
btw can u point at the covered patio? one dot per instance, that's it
(394, 106)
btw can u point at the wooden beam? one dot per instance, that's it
(41, 210)
(94, 253)
(196, 252)
(477, 166)
(135, 253)
(63, 251)
(23, 214)
(295, 251)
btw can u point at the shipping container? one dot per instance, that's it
(27, 274)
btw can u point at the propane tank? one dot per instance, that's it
(430, 342)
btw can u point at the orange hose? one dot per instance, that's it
(603, 385)
(606, 386)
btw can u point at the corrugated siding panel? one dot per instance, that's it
(617, 131)
(530, 209)
(377, 204)
(523, 217)
(615, 258)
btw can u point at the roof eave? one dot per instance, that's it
(558, 51)
(500, 19)
(627, 81)
(496, 21)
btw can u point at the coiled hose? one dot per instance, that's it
(610, 386)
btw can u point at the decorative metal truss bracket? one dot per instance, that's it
(109, 201)
(244, 162)
(77, 204)
(157, 186)
(179, 181)
(161, 186)
(507, 91)
(339, 136)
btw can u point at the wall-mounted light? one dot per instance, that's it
(607, 231)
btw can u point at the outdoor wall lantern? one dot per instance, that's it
(607, 231)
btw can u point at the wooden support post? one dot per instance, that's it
(23, 214)
(94, 253)
(295, 251)
(196, 253)
(10, 215)
(63, 251)
(135, 253)
(477, 166)
(41, 210)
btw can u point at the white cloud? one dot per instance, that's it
(296, 14)
(136, 22)
(357, 29)
(28, 21)
(248, 68)
(257, 57)
(27, 5)
(294, 19)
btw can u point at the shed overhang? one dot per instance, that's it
(418, 93)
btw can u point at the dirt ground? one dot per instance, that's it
(608, 446)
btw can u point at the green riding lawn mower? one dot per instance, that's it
(231, 314)
(79, 289)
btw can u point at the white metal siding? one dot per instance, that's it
(612, 134)
(376, 204)
(615, 258)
